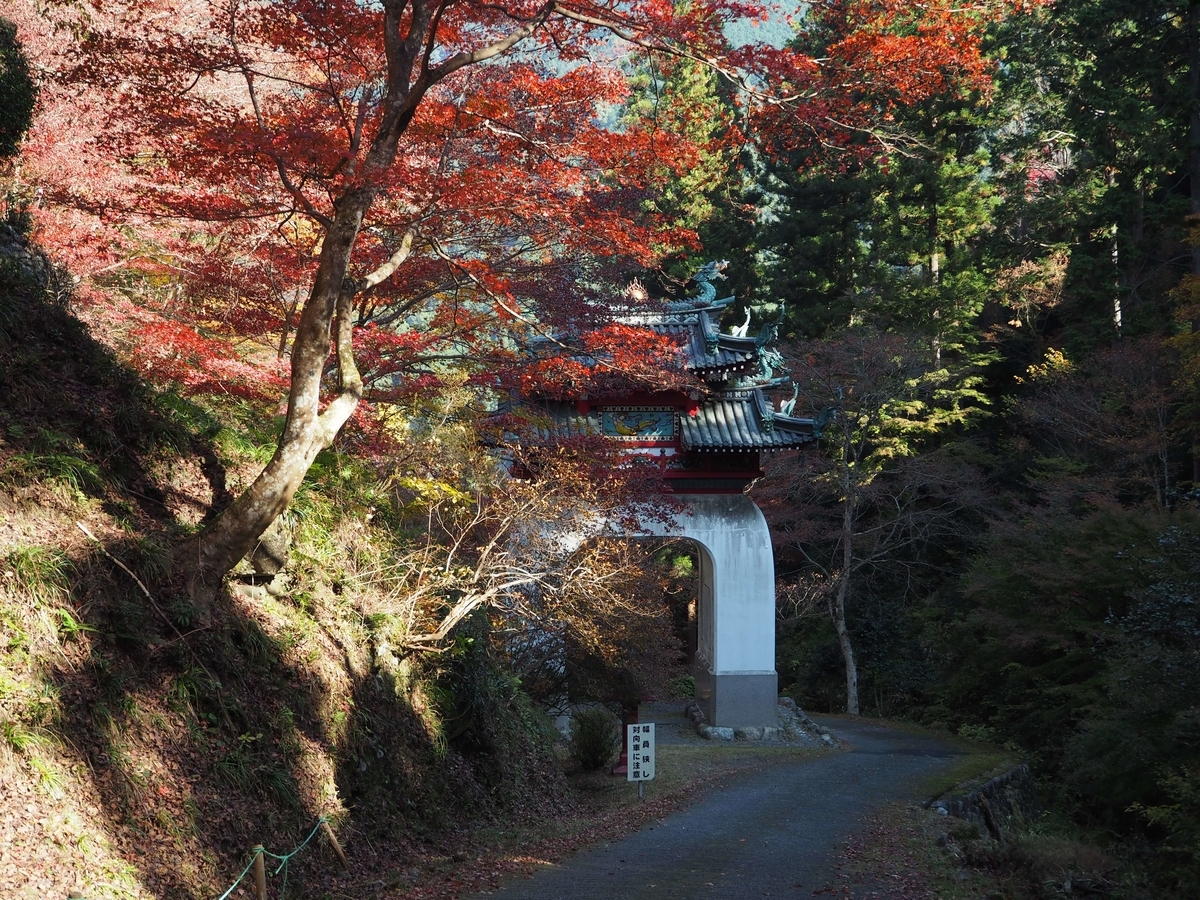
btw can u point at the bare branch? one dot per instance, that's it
(460, 60)
(394, 262)
(620, 30)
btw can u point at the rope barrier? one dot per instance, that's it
(249, 865)
(283, 864)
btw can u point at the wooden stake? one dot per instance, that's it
(260, 873)
(333, 842)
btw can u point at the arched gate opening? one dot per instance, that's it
(734, 666)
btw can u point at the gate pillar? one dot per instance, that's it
(736, 682)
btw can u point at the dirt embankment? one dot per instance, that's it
(143, 754)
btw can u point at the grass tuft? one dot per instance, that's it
(19, 736)
(40, 574)
(71, 628)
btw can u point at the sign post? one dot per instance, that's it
(640, 740)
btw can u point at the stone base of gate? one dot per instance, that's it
(739, 699)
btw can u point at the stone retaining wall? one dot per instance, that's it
(1000, 805)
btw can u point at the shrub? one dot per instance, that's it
(595, 738)
(981, 733)
(683, 686)
(18, 92)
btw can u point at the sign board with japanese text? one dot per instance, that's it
(641, 751)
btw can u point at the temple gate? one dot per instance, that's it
(708, 445)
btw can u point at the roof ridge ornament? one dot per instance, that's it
(770, 330)
(785, 408)
(740, 330)
(824, 417)
(707, 294)
(636, 291)
(769, 360)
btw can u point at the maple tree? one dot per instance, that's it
(460, 143)
(857, 64)
(447, 178)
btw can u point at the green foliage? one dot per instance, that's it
(894, 234)
(714, 194)
(815, 249)
(29, 718)
(18, 91)
(1077, 639)
(180, 420)
(809, 662)
(18, 736)
(683, 686)
(478, 712)
(40, 574)
(683, 96)
(683, 566)
(54, 456)
(235, 765)
(1179, 817)
(70, 627)
(894, 669)
(595, 738)
(1095, 98)
(891, 495)
(979, 733)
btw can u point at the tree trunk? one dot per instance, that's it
(839, 622)
(931, 233)
(1115, 252)
(839, 603)
(1193, 26)
(306, 431)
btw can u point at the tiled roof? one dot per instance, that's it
(740, 420)
(557, 418)
(697, 329)
(732, 353)
(730, 421)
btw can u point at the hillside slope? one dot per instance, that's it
(142, 755)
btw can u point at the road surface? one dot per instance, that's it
(773, 834)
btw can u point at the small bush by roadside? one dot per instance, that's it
(595, 738)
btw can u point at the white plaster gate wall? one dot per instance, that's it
(736, 682)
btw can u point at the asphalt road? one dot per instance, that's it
(773, 834)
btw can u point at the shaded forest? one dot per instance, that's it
(1000, 303)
